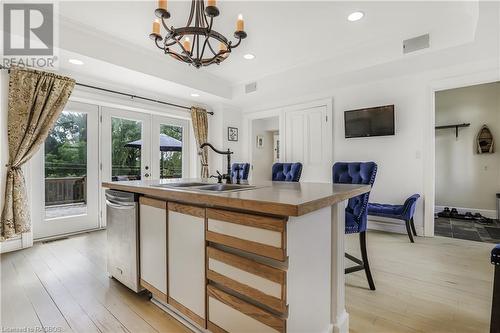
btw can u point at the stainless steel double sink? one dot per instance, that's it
(206, 187)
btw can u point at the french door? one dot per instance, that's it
(90, 144)
(169, 147)
(141, 146)
(66, 168)
(126, 145)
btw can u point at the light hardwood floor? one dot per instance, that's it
(434, 285)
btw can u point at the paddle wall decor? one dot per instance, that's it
(485, 141)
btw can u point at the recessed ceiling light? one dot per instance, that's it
(76, 62)
(356, 16)
(195, 95)
(249, 56)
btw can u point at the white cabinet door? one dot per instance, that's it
(186, 260)
(153, 246)
(308, 139)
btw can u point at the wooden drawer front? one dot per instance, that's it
(231, 314)
(261, 235)
(263, 283)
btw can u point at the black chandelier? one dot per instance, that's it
(199, 52)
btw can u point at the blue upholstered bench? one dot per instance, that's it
(495, 307)
(399, 212)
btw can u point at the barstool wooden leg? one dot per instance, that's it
(364, 256)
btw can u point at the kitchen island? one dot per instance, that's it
(265, 257)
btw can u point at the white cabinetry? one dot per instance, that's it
(153, 246)
(186, 260)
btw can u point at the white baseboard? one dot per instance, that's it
(393, 226)
(10, 245)
(492, 214)
(342, 326)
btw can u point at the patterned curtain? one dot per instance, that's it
(200, 127)
(35, 101)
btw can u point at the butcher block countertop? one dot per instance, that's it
(276, 198)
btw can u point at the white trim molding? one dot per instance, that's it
(12, 244)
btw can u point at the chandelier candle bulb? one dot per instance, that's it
(240, 24)
(187, 45)
(162, 4)
(223, 48)
(156, 27)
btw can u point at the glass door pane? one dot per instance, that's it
(170, 144)
(66, 166)
(126, 145)
(170, 151)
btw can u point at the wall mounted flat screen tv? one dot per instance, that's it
(377, 121)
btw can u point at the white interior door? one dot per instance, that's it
(308, 139)
(67, 171)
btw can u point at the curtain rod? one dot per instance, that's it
(126, 94)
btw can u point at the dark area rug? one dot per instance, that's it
(468, 230)
(493, 232)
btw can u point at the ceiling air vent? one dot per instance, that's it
(416, 43)
(251, 87)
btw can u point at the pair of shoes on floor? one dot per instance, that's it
(445, 213)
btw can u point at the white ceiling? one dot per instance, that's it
(282, 34)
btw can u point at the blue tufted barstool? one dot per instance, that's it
(241, 170)
(399, 212)
(356, 210)
(286, 172)
(495, 307)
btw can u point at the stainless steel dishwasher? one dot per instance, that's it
(122, 217)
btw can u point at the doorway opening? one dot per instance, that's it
(467, 162)
(266, 147)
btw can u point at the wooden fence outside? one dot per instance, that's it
(66, 190)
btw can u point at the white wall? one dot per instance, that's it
(406, 160)
(232, 118)
(464, 178)
(223, 118)
(262, 158)
(399, 157)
